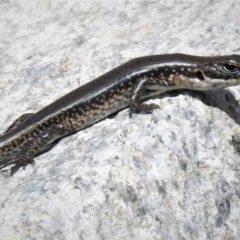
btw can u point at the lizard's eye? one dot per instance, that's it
(230, 68)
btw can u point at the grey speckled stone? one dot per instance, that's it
(172, 174)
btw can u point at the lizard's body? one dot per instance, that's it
(123, 86)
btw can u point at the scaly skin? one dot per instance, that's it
(123, 86)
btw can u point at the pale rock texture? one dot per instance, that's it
(172, 174)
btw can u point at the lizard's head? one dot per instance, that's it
(222, 71)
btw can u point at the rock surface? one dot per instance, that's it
(172, 174)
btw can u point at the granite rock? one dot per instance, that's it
(171, 174)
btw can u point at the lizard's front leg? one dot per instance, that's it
(136, 95)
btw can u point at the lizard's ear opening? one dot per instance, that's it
(200, 75)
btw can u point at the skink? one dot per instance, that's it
(123, 86)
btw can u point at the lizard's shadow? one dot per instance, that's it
(225, 101)
(220, 98)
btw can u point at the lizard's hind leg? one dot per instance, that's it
(32, 148)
